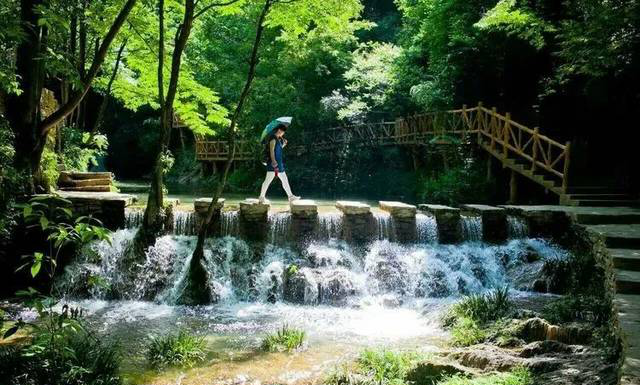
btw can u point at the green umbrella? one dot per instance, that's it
(286, 120)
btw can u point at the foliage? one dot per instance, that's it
(369, 83)
(49, 168)
(516, 376)
(285, 339)
(181, 349)
(481, 308)
(52, 216)
(579, 307)
(11, 182)
(386, 366)
(80, 150)
(62, 350)
(456, 185)
(466, 331)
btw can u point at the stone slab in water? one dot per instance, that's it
(447, 220)
(494, 221)
(398, 209)
(202, 204)
(108, 207)
(353, 207)
(251, 209)
(303, 207)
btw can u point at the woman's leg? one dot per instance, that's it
(283, 179)
(269, 177)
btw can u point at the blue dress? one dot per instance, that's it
(278, 154)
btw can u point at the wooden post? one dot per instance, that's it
(535, 148)
(513, 188)
(479, 113)
(506, 134)
(566, 167)
(465, 120)
(493, 129)
(488, 171)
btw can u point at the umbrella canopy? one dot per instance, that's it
(286, 120)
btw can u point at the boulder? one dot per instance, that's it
(336, 286)
(431, 372)
(544, 347)
(302, 286)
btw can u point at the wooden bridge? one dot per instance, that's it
(522, 149)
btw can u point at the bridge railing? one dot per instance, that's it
(219, 149)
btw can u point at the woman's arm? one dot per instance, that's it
(284, 142)
(272, 147)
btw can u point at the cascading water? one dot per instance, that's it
(279, 226)
(230, 223)
(426, 230)
(133, 218)
(330, 225)
(471, 227)
(184, 222)
(516, 227)
(384, 224)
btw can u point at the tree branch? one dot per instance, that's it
(67, 108)
(212, 5)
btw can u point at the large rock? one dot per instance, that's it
(253, 211)
(432, 371)
(398, 209)
(538, 329)
(304, 208)
(302, 286)
(353, 208)
(336, 286)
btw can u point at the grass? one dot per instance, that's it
(181, 349)
(466, 332)
(284, 340)
(386, 366)
(517, 376)
(578, 308)
(481, 308)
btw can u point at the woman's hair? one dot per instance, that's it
(281, 126)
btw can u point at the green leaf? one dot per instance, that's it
(10, 332)
(44, 222)
(35, 268)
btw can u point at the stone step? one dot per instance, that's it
(605, 218)
(86, 175)
(398, 209)
(594, 190)
(303, 208)
(607, 196)
(627, 282)
(84, 182)
(353, 208)
(628, 312)
(625, 259)
(106, 188)
(252, 210)
(494, 221)
(202, 204)
(619, 236)
(607, 203)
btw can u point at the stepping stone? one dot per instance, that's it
(202, 204)
(352, 207)
(483, 209)
(494, 220)
(627, 282)
(447, 220)
(303, 208)
(618, 236)
(251, 209)
(625, 259)
(398, 209)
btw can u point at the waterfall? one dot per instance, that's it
(426, 228)
(322, 272)
(279, 226)
(230, 223)
(330, 225)
(133, 218)
(184, 222)
(385, 225)
(471, 228)
(516, 227)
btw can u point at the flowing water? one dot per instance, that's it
(516, 227)
(345, 297)
(471, 227)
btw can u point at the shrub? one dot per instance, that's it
(385, 366)
(81, 149)
(62, 351)
(481, 308)
(517, 376)
(578, 308)
(182, 349)
(285, 339)
(466, 332)
(466, 183)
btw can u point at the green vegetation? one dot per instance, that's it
(61, 350)
(517, 376)
(285, 339)
(472, 319)
(181, 349)
(386, 366)
(579, 307)
(458, 184)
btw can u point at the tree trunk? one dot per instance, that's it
(31, 132)
(153, 221)
(105, 100)
(196, 289)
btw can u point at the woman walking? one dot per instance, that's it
(274, 160)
